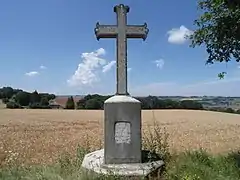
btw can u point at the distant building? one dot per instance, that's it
(60, 101)
(54, 105)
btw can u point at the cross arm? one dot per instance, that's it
(137, 31)
(105, 31)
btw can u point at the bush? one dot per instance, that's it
(238, 111)
(13, 105)
(199, 165)
(155, 140)
(70, 104)
(5, 100)
(229, 110)
(38, 106)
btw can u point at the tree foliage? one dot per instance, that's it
(16, 98)
(70, 104)
(218, 28)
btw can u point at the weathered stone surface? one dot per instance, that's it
(122, 154)
(95, 162)
(121, 31)
(122, 131)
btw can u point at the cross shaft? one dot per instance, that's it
(121, 32)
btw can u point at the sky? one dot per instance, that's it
(50, 46)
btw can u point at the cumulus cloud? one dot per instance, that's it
(129, 69)
(86, 73)
(43, 67)
(159, 63)
(32, 73)
(179, 35)
(108, 66)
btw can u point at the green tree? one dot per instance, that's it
(70, 104)
(35, 97)
(81, 104)
(7, 92)
(93, 104)
(190, 104)
(13, 105)
(23, 98)
(238, 111)
(44, 101)
(218, 28)
(230, 110)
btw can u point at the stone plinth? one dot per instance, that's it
(95, 162)
(122, 131)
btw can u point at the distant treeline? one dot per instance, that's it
(17, 98)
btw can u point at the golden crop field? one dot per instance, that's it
(40, 136)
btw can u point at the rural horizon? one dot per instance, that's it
(100, 90)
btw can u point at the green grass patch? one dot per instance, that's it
(199, 165)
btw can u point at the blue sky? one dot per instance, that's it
(50, 46)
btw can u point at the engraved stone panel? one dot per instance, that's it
(122, 132)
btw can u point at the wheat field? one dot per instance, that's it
(40, 136)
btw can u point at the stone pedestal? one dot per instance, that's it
(122, 154)
(122, 131)
(93, 163)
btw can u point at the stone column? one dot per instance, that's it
(122, 131)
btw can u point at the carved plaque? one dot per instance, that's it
(122, 132)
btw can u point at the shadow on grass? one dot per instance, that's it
(235, 156)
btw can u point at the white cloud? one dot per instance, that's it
(108, 66)
(179, 35)
(159, 63)
(86, 73)
(43, 67)
(32, 73)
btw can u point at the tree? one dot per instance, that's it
(44, 101)
(23, 98)
(189, 104)
(70, 104)
(229, 110)
(81, 104)
(93, 104)
(35, 97)
(218, 28)
(13, 105)
(6, 92)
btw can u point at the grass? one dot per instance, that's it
(45, 134)
(199, 165)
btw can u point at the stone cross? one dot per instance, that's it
(121, 32)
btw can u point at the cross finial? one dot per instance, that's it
(121, 6)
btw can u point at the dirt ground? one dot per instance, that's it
(40, 136)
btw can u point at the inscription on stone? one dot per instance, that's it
(122, 132)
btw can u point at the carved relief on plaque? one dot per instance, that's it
(122, 132)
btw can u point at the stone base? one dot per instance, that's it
(94, 162)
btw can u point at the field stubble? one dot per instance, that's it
(41, 136)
